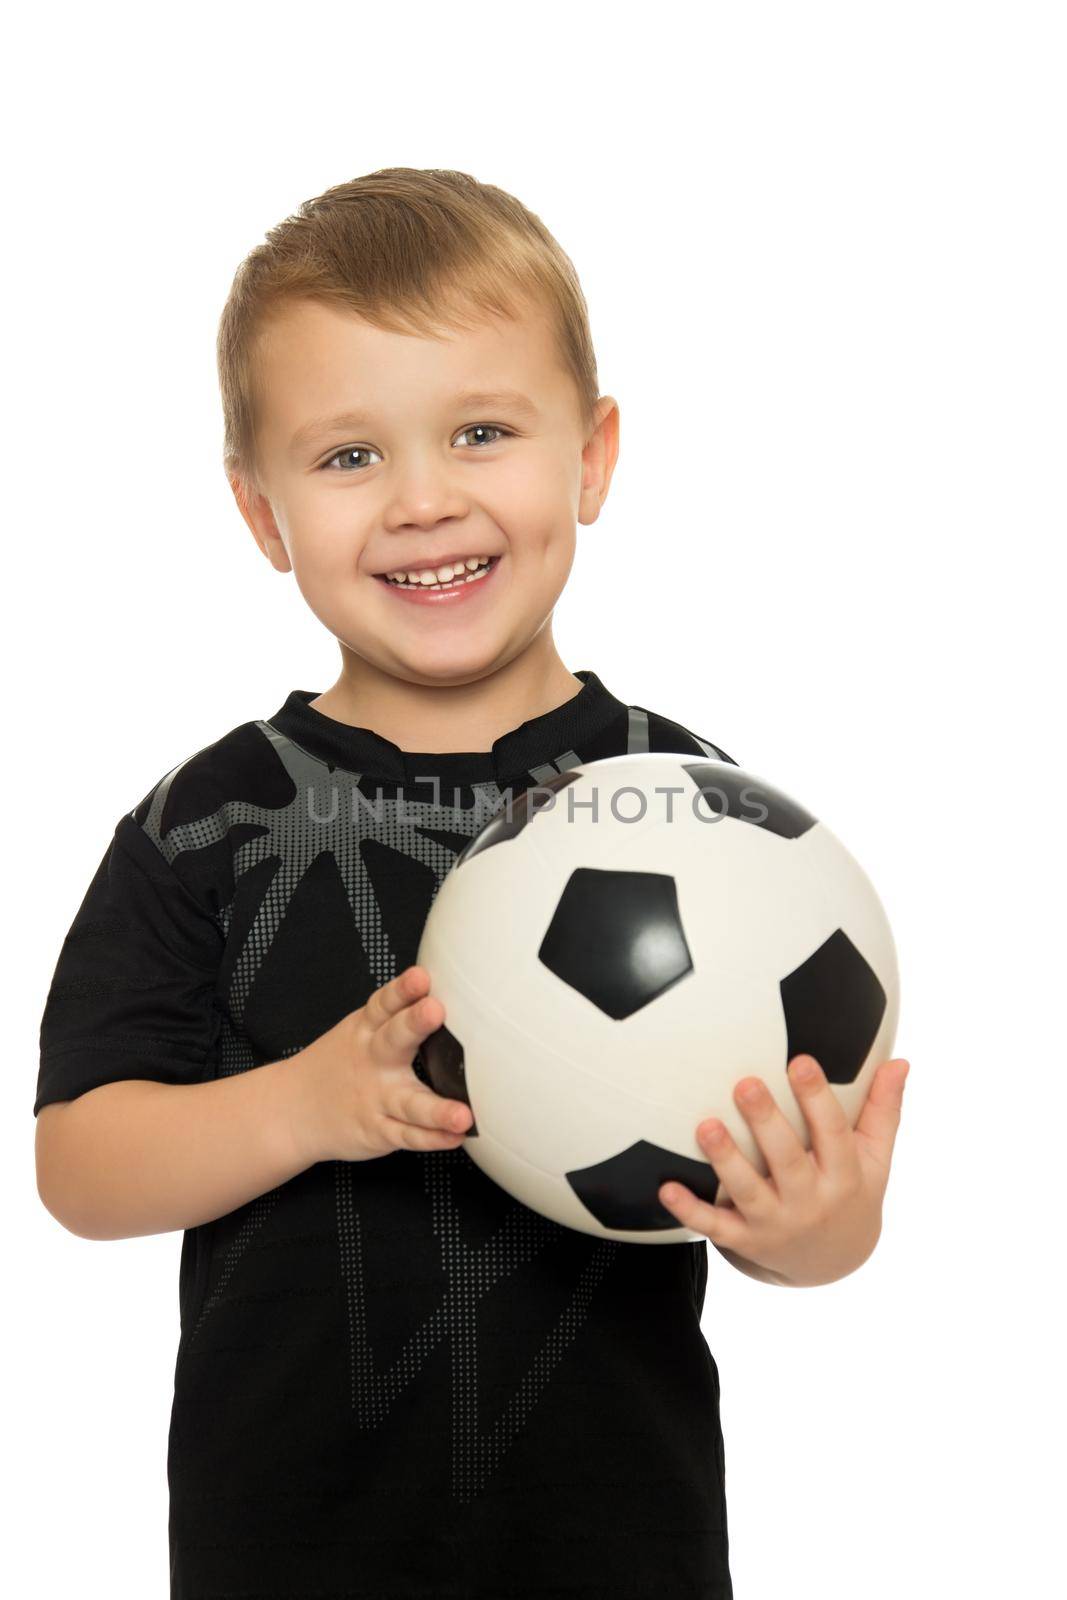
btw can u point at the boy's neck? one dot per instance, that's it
(449, 718)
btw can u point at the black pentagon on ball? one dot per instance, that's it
(834, 1005)
(733, 793)
(510, 820)
(617, 938)
(623, 1192)
(439, 1063)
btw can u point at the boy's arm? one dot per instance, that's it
(137, 1156)
(750, 1269)
(136, 1133)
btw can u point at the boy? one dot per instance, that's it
(392, 1378)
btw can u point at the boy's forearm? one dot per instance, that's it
(751, 1269)
(138, 1157)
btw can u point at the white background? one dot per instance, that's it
(824, 252)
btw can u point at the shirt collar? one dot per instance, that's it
(514, 753)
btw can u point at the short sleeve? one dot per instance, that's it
(133, 994)
(720, 753)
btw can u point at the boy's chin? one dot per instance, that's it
(437, 672)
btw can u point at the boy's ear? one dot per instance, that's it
(599, 455)
(255, 508)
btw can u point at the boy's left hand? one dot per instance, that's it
(817, 1217)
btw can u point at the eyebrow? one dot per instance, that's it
(506, 399)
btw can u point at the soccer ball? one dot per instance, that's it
(615, 949)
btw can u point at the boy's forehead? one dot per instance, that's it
(312, 358)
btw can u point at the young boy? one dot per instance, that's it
(392, 1379)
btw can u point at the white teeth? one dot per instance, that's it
(434, 578)
(471, 577)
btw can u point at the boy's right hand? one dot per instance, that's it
(357, 1093)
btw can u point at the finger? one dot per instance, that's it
(790, 1164)
(750, 1192)
(880, 1118)
(832, 1142)
(401, 1034)
(721, 1224)
(425, 1109)
(403, 990)
(410, 1136)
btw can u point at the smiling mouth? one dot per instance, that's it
(429, 588)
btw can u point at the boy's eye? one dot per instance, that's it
(349, 450)
(339, 457)
(486, 427)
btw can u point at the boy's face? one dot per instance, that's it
(419, 476)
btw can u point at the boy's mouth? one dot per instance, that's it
(461, 585)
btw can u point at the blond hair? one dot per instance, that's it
(410, 250)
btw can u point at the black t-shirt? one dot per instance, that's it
(393, 1379)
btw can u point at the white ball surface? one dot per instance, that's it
(642, 933)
